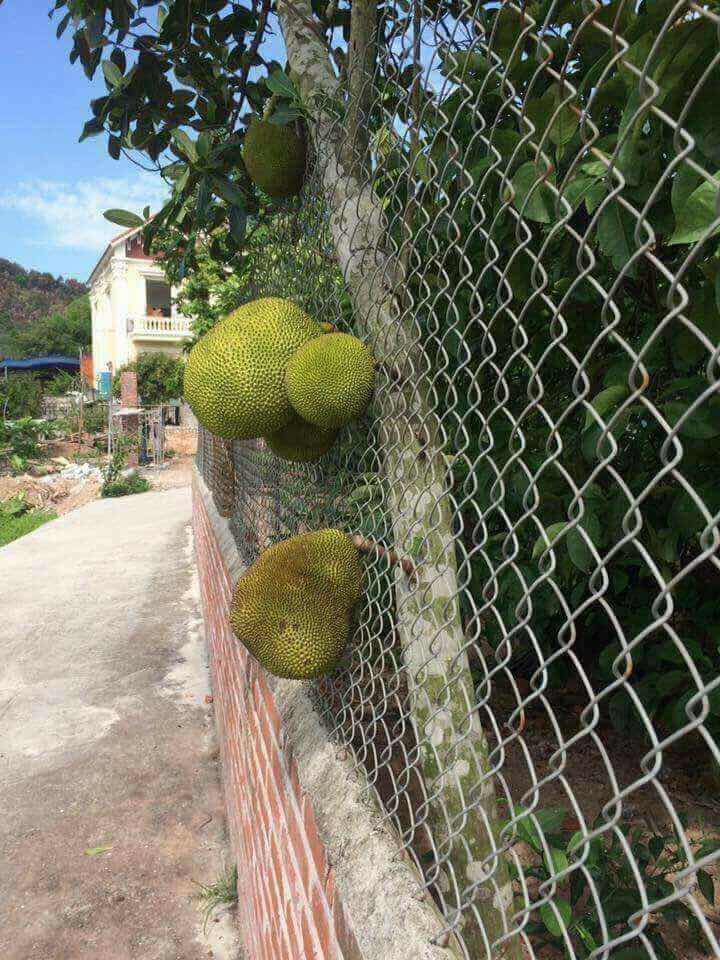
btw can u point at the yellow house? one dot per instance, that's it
(132, 307)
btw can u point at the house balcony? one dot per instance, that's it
(158, 328)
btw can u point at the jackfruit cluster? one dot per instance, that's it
(293, 607)
(269, 370)
(234, 376)
(274, 157)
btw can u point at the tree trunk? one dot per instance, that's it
(461, 813)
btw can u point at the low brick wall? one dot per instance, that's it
(287, 901)
(320, 875)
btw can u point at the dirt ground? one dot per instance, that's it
(65, 494)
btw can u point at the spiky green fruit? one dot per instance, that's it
(234, 376)
(330, 380)
(274, 157)
(292, 609)
(300, 441)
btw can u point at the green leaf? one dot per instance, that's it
(702, 424)
(551, 921)
(578, 549)
(685, 181)
(558, 861)
(707, 887)
(656, 847)
(91, 129)
(96, 851)
(124, 218)
(552, 533)
(112, 73)
(114, 146)
(532, 197)
(281, 83)
(605, 401)
(615, 235)
(238, 221)
(229, 191)
(697, 214)
(185, 145)
(284, 114)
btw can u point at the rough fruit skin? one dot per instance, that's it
(234, 376)
(274, 157)
(330, 380)
(292, 609)
(300, 442)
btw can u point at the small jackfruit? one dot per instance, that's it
(330, 380)
(274, 157)
(293, 607)
(300, 441)
(234, 376)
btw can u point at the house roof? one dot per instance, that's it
(52, 362)
(115, 240)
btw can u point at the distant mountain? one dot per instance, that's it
(27, 296)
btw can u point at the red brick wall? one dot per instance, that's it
(287, 903)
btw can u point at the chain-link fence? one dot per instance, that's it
(532, 690)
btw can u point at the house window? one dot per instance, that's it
(157, 298)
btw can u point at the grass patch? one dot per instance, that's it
(214, 895)
(124, 486)
(12, 528)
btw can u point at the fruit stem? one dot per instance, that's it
(372, 546)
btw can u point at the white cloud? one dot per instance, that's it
(71, 215)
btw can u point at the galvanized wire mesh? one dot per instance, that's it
(548, 186)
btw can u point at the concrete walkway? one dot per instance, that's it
(110, 801)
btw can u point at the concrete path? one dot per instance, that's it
(110, 800)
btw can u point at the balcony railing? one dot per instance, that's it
(168, 328)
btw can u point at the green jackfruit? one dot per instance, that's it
(234, 376)
(293, 607)
(330, 380)
(300, 441)
(274, 157)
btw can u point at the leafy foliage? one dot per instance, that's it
(20, 396)
(28, 297)
(557, 143)
(550, 404)
(19, 440)
(63, 332)
(115, 482)
(179, 93)
(160, 378)
(602, 867)
(63, 382)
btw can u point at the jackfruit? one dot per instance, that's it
(293, 607)
(330, 380)
(234, 376)
(300, 441)
(274, 157)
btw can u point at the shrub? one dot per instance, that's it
(160, 378)
(62, 383)
(19, 440)
(125, 486)
(20, 396)
(115, 484)
(95, 417)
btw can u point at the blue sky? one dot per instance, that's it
(52, 188)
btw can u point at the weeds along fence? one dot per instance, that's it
(518, 207)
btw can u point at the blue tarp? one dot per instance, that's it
(41, 363)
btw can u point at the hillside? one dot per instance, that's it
(28, 296)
